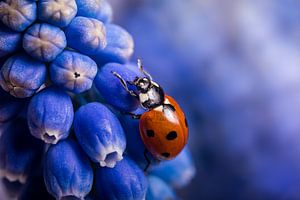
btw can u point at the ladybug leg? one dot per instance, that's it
(147, 159)
(140, 65)
(124, 83)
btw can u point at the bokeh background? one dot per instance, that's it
(234, 66)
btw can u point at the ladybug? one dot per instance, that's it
(163, 127)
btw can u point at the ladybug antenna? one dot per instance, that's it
(140, 65)
(124, 83)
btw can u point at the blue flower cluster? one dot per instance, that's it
(62, 127)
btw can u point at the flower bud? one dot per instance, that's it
(22, 75)
(125, 181)
(50, 115)
(67, 172)
(17, 14)
(73, 71)
(86, 35)
(100, 134)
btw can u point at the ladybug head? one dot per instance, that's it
(143, 84)
(152, 95)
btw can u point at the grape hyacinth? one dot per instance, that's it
(119, 46)
(73, 71)
(20, 153)
(100, 134)
(17, 14)
(58, 13)
(125, 181)
(22, 76)
(63, 122)
(97, 9)
(50, 115)
(44, 41)
(67, 171)
(86, 35)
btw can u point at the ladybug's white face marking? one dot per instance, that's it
(143, 97)
(152, 96)
(144, 83)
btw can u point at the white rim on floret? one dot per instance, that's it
(74, 193)
(51, 136)
(13, 177)
(110, 156)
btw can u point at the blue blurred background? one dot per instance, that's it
(234, 66)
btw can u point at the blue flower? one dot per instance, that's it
(20, 153)
(86, 35)
(177, 172)
(57, 12)
(73, 71)
(10, 41)
(9, 106)
(159, 190)
(44, 41)
(67, 172)
(119, 47)
(100, 134)
(50, 115)
(112, 90)
(98, 9)
(17, 14)
(22, 76)
(126, 181)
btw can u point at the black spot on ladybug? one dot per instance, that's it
(186, 123)
(150, 133)
(166, 154)
(172, 135)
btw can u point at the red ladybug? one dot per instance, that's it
(163, 127)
